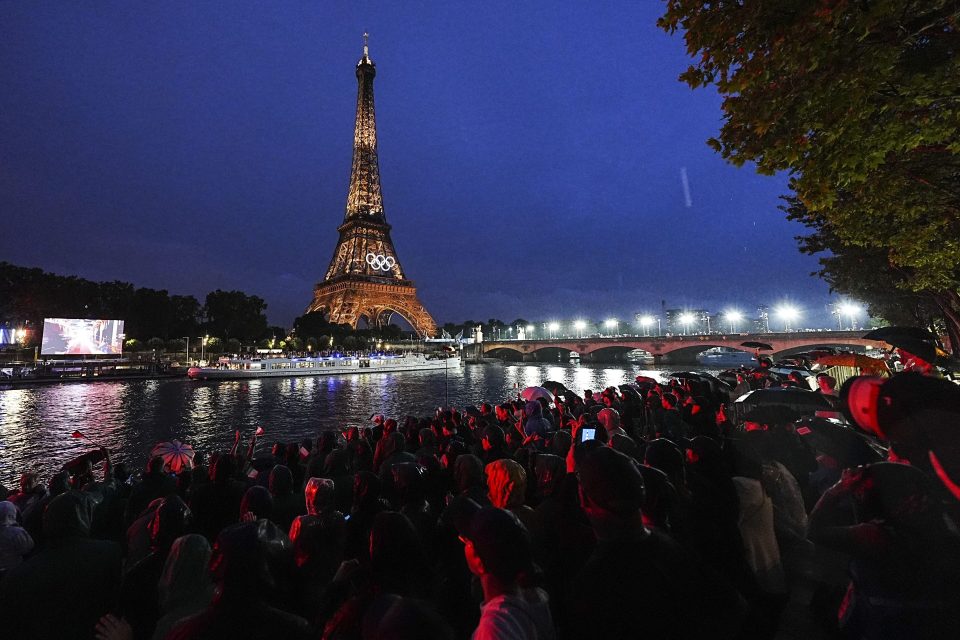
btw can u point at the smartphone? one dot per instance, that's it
(586, 433)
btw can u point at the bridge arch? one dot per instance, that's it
(505, 353)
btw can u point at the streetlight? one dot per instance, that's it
(203, 343)
(733, 317)
(612, 324)
(553, 326)
(530, 329)
(847, 309)
(579, 325)
(187, 338)
(685, 319)
(788, 314)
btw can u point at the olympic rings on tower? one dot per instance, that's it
(380, 261)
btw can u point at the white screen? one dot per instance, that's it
(72, 336)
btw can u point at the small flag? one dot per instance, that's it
(304, 453)
(259, 431)
(76, 434)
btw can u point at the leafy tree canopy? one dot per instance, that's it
(859, 102)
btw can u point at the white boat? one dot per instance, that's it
(240, 368)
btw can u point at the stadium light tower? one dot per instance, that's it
(789, 314)
(612, 323)
(579, 326)
(734, 318)
(686, 319)
(851, 311)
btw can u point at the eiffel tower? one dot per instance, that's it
(365, 280)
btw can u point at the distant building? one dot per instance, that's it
(761, 323)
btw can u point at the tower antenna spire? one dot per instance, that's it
(366, 44)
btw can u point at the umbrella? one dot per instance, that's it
(806, 402)
(629, 389)
(840, 442)
(554, 387)
(915, 333)
(771, 414)
(866, 363)
(924, 350)
(175, 454)
(532, 393)
(760, 346)
(647, 379)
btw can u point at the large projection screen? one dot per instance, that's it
(76, 337)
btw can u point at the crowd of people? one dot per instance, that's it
(649, 510)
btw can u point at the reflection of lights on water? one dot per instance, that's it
(612, 377)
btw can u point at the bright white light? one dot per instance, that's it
(849, 309)
(787, 313)
(530, 328)
(646, 321)
(579, 325)
(611, 323)
(553, 326)
(686, 318)
(733, 316)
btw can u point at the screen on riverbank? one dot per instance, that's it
(73, 336)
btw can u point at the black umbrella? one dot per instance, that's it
(762, 346)
(840, 442)
(920, 348)
(915, 333)
(770, 414)
(554, 387)
(806, 402)
(629, 389)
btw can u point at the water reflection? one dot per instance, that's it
(129, 417)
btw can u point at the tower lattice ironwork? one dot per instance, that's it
(365, 279)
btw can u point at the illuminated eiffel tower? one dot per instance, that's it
(365, 279)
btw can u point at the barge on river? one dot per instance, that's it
(242, 368)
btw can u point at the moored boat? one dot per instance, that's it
(241, 368)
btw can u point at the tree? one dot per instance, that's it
(234, 314)
(859, 103)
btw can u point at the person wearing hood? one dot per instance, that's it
(32, 517)
(155, 484)
(250, 565)
(138, 594)
(185, 588)
(70, 584)
(366, 505)
(637, 578)
(287, 505)
(534, 423)
(610, 419)
(15, 542)
(507, 489)
(468, 479)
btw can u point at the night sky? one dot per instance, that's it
(531, 154)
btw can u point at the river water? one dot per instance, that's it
(130, 417)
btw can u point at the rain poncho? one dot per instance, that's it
(14, 540)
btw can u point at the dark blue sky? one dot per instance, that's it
(531, 155)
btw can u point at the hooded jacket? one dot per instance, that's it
(535, 422)
(74, 580)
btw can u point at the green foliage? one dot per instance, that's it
(859, 102)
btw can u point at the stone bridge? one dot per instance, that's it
(671, 349)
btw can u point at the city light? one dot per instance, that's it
(850, 310)
(646, 322)
(686, 319)
(788, 314)
(579, 326)
(553, 326)
(734, 317)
